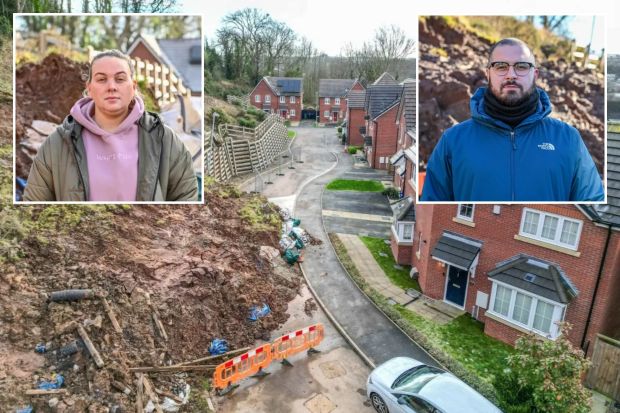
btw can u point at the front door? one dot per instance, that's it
(456, 286)
(335, 116)
(284, 114)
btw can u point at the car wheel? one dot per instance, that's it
(378, 403)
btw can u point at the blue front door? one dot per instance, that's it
(456, 286)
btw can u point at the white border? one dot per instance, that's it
(603, 18)
(201, 112)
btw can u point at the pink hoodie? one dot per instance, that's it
(112, 157)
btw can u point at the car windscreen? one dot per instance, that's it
(415, 378)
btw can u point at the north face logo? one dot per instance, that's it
(547, 146)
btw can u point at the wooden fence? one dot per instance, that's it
(160, 78)
(238, 150)
(604, 374)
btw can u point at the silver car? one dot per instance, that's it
(405, 385)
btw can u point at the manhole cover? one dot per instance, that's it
(412, 293)
(320, 404)
(332, 369)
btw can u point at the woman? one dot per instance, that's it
(109, 148)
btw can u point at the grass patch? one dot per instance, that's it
(292, 133)
(399, 277)
(355, 185)
(260, 214)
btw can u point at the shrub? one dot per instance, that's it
(248, 123)
(391, 193)
(352, 150)
(339, 130)
(287, 123)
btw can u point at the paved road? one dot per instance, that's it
(377, 337)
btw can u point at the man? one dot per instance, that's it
(511, 150)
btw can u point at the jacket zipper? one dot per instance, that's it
(512, 163)
(80, 172)
(160, 158)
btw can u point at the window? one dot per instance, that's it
(465, 211)
(257, 98)
(326, 101)
(405, 231)
(292, 112)
(336, 101)
(526, 309)
(267, 99)
(282, 99)
(326, 114)
(292, 99)
(551, 228)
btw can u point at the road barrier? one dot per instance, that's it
(254, 361)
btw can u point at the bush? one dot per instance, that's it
(222, 118)
(352, 150)
(339, 130)
(248, 123)
(287, 123)
(391, 193)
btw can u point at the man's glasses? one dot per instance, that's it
(521, 68)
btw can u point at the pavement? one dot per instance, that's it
(355, 212)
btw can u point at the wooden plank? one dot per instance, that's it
(161, 369)
(40, 392)
(149, 391)
(111, 315)
(140, 393)
(200, 360)
(90, 346)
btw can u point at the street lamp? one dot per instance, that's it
(214, 115)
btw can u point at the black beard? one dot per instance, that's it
(511, 99)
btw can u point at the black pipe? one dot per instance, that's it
(598, 281)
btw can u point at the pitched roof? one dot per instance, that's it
(335, 87)
(286, 85)
(381, 97)
(385, 79)
(537, 276)
(356, 99)
(456, 250)
(405, 210)
(408, 103)
(185, 55)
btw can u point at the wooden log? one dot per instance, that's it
(139, 393)
(161, 369)
(90, 346)
(169, 395)
(111, 315)
(160, 326)
(149, 391)
(41, 392)
(200, 360)
(121, 386)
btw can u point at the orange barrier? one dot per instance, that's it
(297, 341)
(242, 366)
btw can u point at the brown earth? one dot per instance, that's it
(200, 266)
(452, 62)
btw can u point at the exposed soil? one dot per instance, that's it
(451, 69)
(199, 266)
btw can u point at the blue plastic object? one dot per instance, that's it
(40, 348)
(218, 346)
(27, 409)
(54, 384)
(259, 312)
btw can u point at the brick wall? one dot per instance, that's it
(263, 89)
(356, 120)
(330, 108)
(384, 138)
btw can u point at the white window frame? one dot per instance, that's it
(465, 217)
(559, 310)
(326, 101)
(257, 98)
(336, 101)
(292, 112)
(282, 99)
(292, 99)
(326, 114)
(558, 231)
(267, 98)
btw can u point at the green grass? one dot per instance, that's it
(399, 277)
(464, 340)
(291, 133)
(354, 185)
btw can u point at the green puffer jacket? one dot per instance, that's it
(60, 173)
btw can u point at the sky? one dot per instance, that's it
(331, 24)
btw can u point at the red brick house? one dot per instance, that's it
(281, 95)
(381, 106)
(356, 124)
(405, 159)
(184, 56)
(520, 268)
(332, 105)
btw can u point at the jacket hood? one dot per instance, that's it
(477, 109)
(83, 112)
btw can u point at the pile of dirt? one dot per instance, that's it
(452, 62)
(44, 91)
(197, 268)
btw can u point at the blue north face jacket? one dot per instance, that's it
(484, 159)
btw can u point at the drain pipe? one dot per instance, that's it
(598, 282)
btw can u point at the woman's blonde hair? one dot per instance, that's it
(111, 53)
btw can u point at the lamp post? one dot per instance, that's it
(214, 115)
